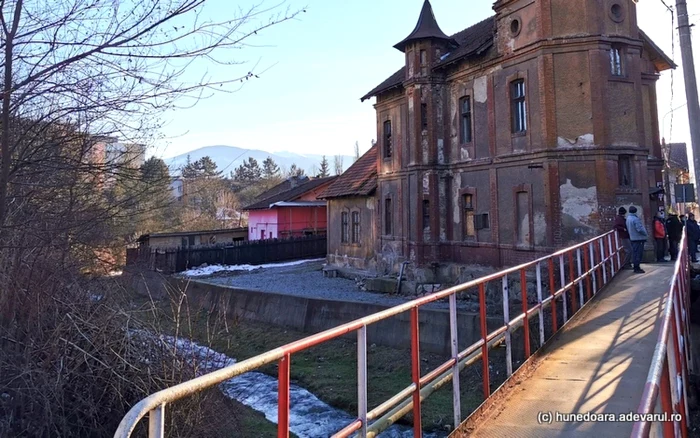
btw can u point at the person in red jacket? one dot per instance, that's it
(660, 236)
(624, 236)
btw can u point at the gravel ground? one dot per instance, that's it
(306, 280)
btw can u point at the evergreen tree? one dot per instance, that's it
(325, 168)
(207, 167)
(248, 173)
(295, 171)
(189, 170)
(270, 169)
(154, 170)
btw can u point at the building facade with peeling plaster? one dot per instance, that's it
(521, 134)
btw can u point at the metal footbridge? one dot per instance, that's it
(605, 352)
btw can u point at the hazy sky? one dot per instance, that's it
(308, 101)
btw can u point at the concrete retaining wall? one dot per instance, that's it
(310, 315)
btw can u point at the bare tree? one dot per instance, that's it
(85, 84)
(357, 152)
(338, 164)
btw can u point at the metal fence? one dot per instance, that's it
(580, 271)
(254, 252)
(664, 406)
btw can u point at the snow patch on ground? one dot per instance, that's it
(309, 416)
(212, 269)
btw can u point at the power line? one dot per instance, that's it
(667, 6)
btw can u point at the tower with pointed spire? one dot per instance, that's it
(519, 134)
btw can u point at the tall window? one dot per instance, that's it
(355, 236)
(426, 214)
(423, 57)
(616, 61)
(387, 139)
(424, 115)
(518, 109)
(624, 170)
(465, 131)
(344, 227)
(387, 216)
(468, 217)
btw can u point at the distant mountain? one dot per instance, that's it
(228, 158)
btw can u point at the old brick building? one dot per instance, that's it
(520, 134)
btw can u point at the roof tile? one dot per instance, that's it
(359, 180)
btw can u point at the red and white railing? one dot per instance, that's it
(664, 406)
(591, 265)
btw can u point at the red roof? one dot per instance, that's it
(359, 180)
(286, 191)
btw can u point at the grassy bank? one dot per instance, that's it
(330, 370)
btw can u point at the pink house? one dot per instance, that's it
(289, 209)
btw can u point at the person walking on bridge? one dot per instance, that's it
(674, 227)
(638, 236)
(621, 228)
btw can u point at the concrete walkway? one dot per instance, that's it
(599, 364)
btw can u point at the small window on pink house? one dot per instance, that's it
(262, 234)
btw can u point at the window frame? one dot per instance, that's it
(468, 212)
(625, 160)
(466, 137)
(518, 106)
(344, 227)
(617, 64)
(355, 227)
(426, 213)
(388, 225)
(387, 137)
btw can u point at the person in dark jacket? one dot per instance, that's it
(693, 236)
(674, 228)
(659, 228)
(624, 236)
(638, 235)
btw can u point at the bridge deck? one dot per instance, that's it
(599, 364)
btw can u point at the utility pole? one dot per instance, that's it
(691, 89)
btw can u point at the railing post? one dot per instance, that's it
(485, 347)
(574, 308)
(612, 259)
(539, 301)
(456, 401)
(666, 402)
(562, 275)
(506, 320)
(156, 422)
(602, 261)
(526, 321)
(362, 378)
(283, 397)
(593, 269)
(586, 266)
(580, 280)
(415, 373)
(617, 252)
(552, 289)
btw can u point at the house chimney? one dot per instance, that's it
(293, 181)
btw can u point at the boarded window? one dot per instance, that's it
(388, 220)
(423, 58)
(523, 215)
(624, 170)
(468, 217)
(388, 146)
(426, 214)
(465, 128)
(355, 227)
(518, 107)
(344, 227)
